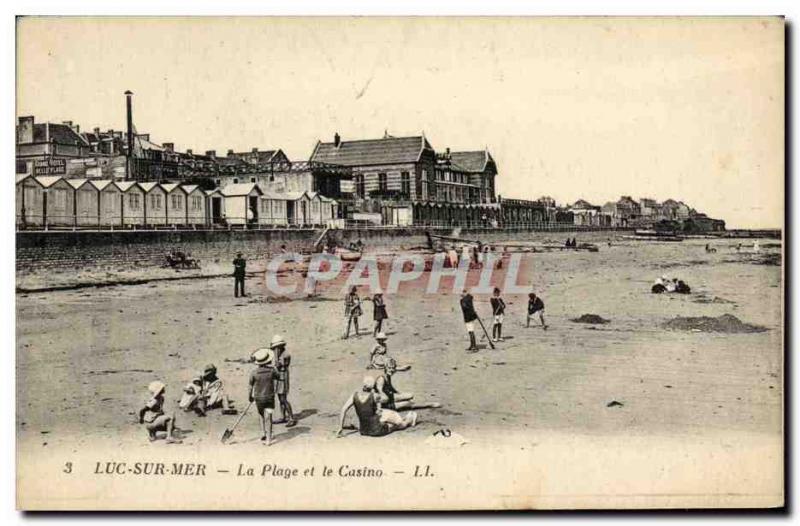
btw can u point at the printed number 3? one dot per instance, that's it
(68, 467)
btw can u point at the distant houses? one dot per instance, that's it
(647, 213)
(110, 178)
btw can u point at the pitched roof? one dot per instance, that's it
(147, 187)
(22, 177)
(60, 133)
(189, 188)
(583, 203)
(475, 161)
(372, 151)
(169, 187)
(101, 184)
(48, 180)
(238, 189)
(126, 185)
(77, 183)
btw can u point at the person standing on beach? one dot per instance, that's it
(352, 311)
(498, 309)
(535, 304)
(262, 390)
(468, 310)
(379, 311)
(282, 362)
(239, 265)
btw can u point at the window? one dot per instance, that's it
(252, 179)
(177, 201)
(405, 184)
(360, 186)
(382, 186)
(235, 180)
(197, 202)
(155, 201)
(133, 201)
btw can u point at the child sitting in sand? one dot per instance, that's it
(192, 398)
(153, 414)
(378, 356)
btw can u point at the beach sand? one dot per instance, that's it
(85, 357)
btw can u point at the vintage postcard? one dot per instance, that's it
(399, 263)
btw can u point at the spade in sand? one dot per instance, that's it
(229, 431)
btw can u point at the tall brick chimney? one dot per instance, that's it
(129, 112)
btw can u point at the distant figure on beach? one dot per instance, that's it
(452, 256)
(468, 311)
(352, 311)
(466, 253)
(373, 420)
(498, 310)
(659, 286)
(535, 305)
(379, 311)
(756, 246)
(710, 249)
(239, 266)
(681, 287)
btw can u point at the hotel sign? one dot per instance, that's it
(50, 167)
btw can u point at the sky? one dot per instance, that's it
(592, 108)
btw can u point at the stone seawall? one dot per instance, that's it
(77, 250)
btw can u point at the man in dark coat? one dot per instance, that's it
(470, 316)
(239, 265)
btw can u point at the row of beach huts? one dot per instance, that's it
(54, 201)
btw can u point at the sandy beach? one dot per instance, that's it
(85, 357)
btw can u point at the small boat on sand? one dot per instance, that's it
(348, 255)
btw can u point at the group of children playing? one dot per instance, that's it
(270, 379)
(535, 306)
(353, 311)
(377, 403)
